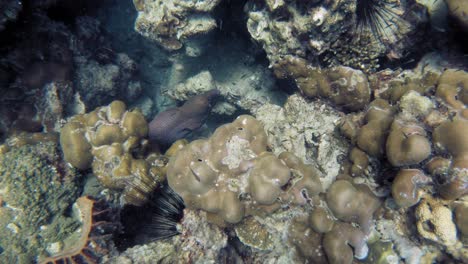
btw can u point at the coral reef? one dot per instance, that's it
(234, 162)
(305, 128)
(343, 86)
(172, 24)
(347, 147)
(111, 141)
(36, 190)
(198, 242)
(323, 29)
(248, 90)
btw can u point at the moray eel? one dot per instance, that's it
(178, 122)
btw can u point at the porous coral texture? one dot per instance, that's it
(435, 222)
(307, 130)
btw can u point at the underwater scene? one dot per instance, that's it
(234, 131)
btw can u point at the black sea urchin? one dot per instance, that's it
(381, 18)
(157, 219)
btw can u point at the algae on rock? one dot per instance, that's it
(37, 192)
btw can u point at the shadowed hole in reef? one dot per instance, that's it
(156, 220)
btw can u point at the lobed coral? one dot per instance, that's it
(344, 86)
(111, 141)
(232, 174)
(405, 186)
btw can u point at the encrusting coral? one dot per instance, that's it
(112, 141)
(435, 222)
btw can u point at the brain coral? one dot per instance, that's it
(233, 173)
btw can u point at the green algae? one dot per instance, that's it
(37, 192)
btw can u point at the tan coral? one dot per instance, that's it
(344, 242)
(401, 86)
(359, 160)
(453, 88)
(373, 135)
(232, 174)
(346, 202)
(435, 222)
(344, 86)
(111, 141)
(451, 137)
(407, 144)
(406, 185)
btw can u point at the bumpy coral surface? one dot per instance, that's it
(171, 23)
(232, 174)
(305, 128)
(111, 141)
(344, 86)
(325, 28)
